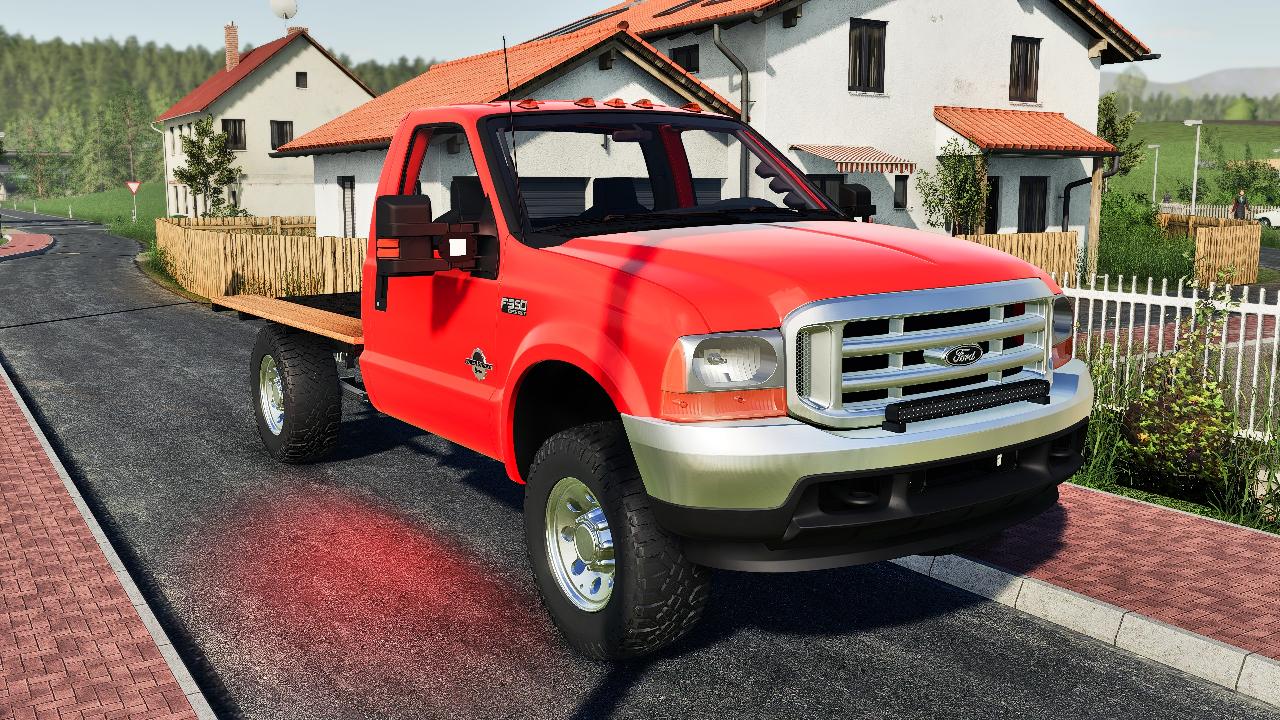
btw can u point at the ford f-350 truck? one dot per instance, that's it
(687, 354)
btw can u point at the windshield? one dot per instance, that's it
(596, 172)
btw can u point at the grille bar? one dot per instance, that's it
(849, 358)
(921, 374)
(923, 340)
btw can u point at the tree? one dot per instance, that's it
(210, 168)
(955, 197)
(1257, 178)
(1116, 130)
(41, 167)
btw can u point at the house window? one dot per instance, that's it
(900, 192)
(1033, 204)
(686, 57)
(347, 185)
(300, 79)
(854, 200)
(281, 132)
(1024, 70)
(993, 205)
(235, 134)
(866, 55)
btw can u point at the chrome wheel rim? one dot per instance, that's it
(271, 394)
(579, 545)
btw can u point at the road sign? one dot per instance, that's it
(133, 186)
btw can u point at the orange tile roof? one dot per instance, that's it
(223, 80)
(478, 79)
(651, 17)
(1022, 131)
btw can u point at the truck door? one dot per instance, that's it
(429, 354)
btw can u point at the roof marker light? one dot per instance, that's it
(691, 107)
(586, 102)
(528, 104)
(644, 104)
(615, 102)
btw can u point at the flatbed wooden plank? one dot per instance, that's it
(319, 322)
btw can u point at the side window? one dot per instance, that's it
(347, 186)
(1033, 202)
(300, 80)
(281, 133)
(235, 134)
(1024, 70)
(686, 57)
(448, 176)
(900, 192)
(866, 55)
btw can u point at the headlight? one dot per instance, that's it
(732, 361)
(1063, 319)
(724, 376)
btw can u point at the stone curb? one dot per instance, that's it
(28, 253)
(1245, 672)
(186, 682)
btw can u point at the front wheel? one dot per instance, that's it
(617, 585)
(1264, 222)
(294, 381)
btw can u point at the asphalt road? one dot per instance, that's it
(1270, 257)
(391, 582)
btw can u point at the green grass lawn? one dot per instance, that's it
(1177, 153)
(111, 208)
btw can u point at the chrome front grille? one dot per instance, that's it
(851, 357)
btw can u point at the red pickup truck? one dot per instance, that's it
(689, 356)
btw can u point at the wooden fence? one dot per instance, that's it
(1053, 252)
(291, 225)
(233, 260)
(1223, 245)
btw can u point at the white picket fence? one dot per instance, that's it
(1135, 321)
(1214, 211)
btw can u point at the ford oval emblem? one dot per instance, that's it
(961, 355)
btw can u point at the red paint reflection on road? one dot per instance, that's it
(336, 586)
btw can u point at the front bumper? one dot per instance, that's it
(780, 494)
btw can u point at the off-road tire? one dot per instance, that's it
(658, 594)
(312, 397)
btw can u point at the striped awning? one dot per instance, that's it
(859, 158)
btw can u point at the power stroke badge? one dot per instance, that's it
(479, 365)
(514, 306)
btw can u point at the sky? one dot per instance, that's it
(1194, 36)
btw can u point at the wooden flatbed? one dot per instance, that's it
(343, 328)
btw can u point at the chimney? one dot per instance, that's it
(294, 30)
(233, 46)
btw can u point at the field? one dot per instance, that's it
(1177, 153)
(111, 208)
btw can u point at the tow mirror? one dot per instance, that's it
(404, 216)
(410, 243)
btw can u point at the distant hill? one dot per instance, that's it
(1254, 82)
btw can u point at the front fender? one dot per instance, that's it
(586, 349)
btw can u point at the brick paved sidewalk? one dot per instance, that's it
(21, 244)
(72, 645)
(1211, 578)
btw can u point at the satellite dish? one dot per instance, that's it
(284, 9)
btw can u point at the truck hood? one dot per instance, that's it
(749, 276)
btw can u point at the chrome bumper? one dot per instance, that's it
(756, 464)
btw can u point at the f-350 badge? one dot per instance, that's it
(478, 364)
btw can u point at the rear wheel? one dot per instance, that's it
(296, 397)
(617, 585)
(1264, 222)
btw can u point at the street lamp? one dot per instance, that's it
(1195, 171)
(1155, 173)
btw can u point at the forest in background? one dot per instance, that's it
(75, 112)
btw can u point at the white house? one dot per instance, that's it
(262, 100)
(862, 93)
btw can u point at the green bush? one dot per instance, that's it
(1132, 243)
(1270, 236)
(1178, 430)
